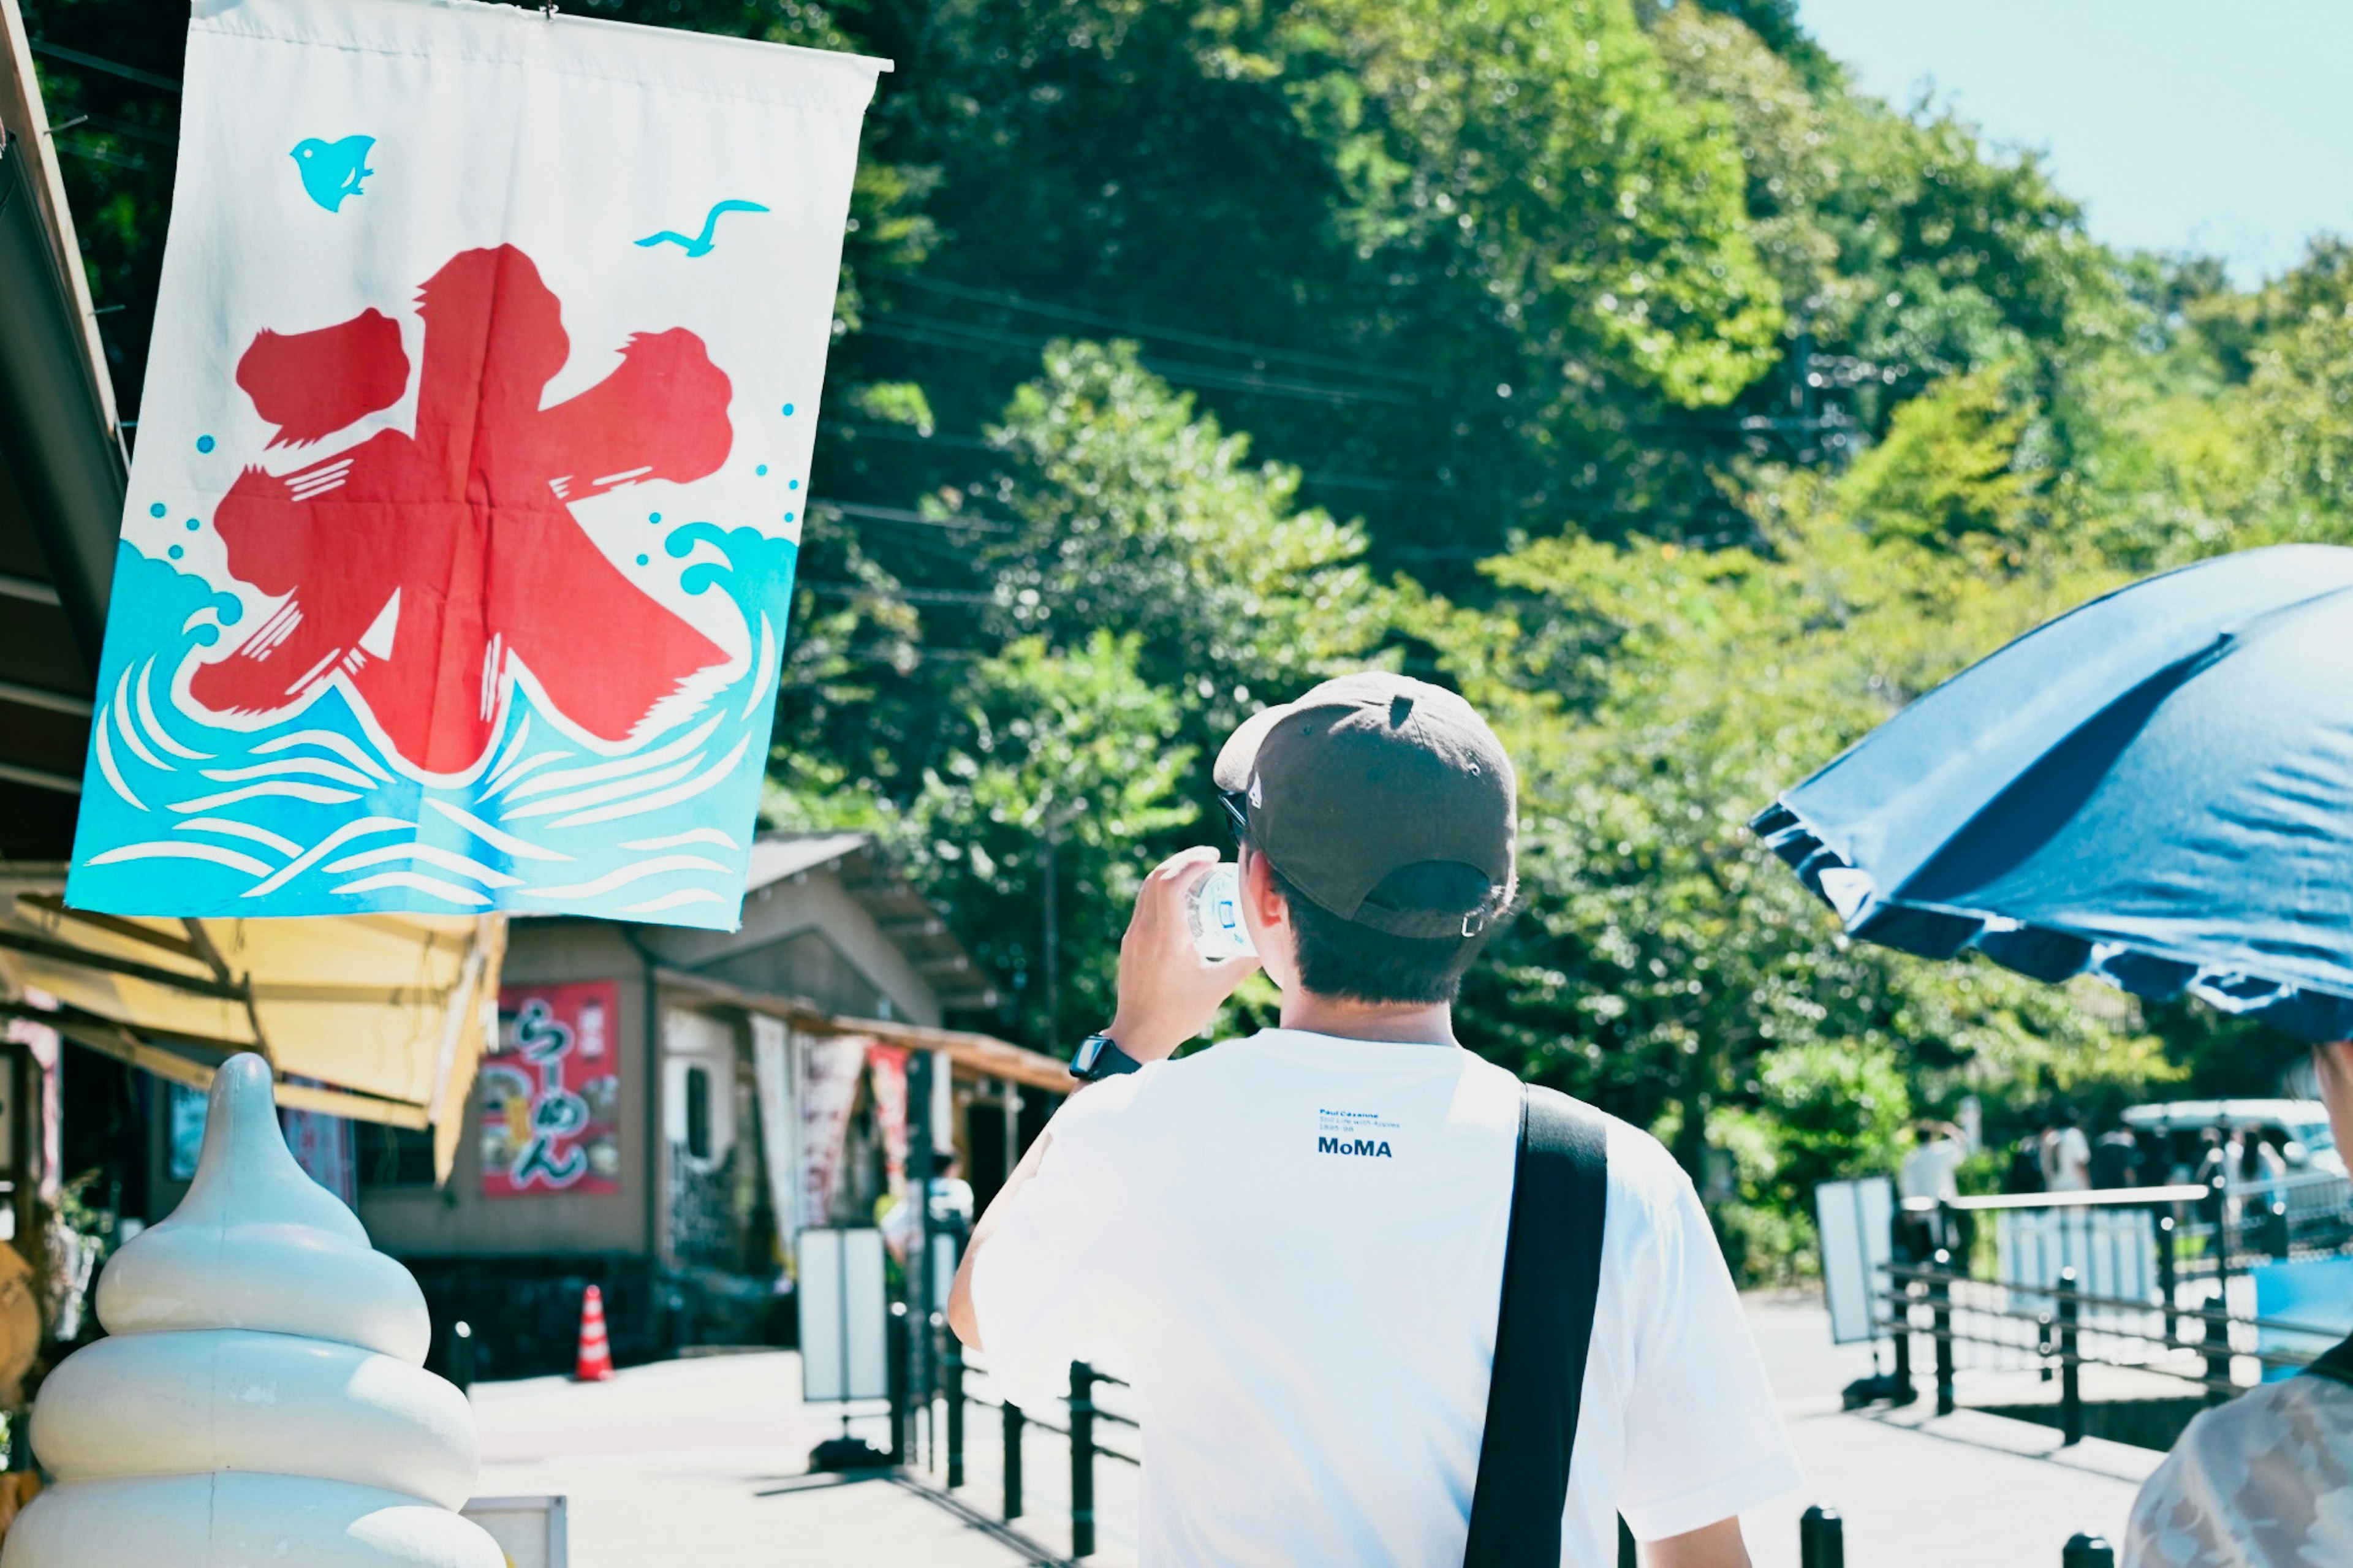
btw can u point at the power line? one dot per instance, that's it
(1148, 329)
(899, 514)
(130, 128)
(101, 154)
(934, 331)
(912, 596)
(100, 63)
(887, 433)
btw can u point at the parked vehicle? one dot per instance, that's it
(2172, 1134)
(2287, 1192)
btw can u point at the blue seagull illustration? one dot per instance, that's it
(700, 244)
(333, 170)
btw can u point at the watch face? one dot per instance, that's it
(1091, 1051)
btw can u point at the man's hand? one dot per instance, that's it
(1168, 991)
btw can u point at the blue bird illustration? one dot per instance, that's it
(700, 244)
(333, 170)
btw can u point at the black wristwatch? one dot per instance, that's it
(1099, 1056)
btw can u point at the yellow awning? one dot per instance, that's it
(389, 1012)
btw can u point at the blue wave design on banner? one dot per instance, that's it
(308, 815)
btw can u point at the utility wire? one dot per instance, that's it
(99, 155)
(130, 128)
(934, 331)
(887, 433)
(100, 63)
(1147, 329)
(912, 596)
(898, 515)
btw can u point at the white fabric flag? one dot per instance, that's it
(472, 465)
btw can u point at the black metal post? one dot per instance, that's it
(2217, 1335)
(1904, 1393)
(1082, 1459)
(1013, 1422)
(461, 1356)
(894, 1356)
(920, 1287)
(2071, 1389)
(951, 1386)
(2168, 1271)
(1821, 1538)
(2225, 1232)
(2086, 1550)
(1940, 1300)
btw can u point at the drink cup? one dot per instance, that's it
(1214, 910)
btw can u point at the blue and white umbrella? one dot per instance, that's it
(2156, 788)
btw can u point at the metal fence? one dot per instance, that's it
(2153, 1280)
(943, 1450)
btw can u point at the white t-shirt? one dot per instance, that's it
(2066, 1161)
(1293, 1246)
(1931, 1171)
(2265, 1481)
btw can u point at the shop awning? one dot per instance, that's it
(385, 1015)
(980, 1056)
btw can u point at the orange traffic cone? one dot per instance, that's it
(596, 1362)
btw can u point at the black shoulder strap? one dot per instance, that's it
(1551, 1276)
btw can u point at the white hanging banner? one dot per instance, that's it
(472, 465)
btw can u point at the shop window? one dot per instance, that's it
(392, 1156)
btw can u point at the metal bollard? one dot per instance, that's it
(1940, 1298)
(2071, 1370)
(1821, 1538)
(1082, 1459)
(952, 1388)
(1013, 1422)
(2087, 1550)
(461, 1356)
(895, 1343)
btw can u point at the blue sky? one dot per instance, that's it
(2218, 128)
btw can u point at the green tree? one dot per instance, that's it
(1028, 827)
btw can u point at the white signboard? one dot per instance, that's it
(1855, 1221)
(842, 1313)
(529, 1530)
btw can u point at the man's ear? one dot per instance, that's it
(1259, 891)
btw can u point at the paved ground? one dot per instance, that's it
(1960, 1491)
(702, 1462)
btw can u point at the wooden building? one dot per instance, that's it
(773, 1096)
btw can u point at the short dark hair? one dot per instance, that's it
(1342, 959)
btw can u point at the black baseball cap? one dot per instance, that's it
(1367, 775)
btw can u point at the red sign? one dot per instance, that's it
(551, 1094)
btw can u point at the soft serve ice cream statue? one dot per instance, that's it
(261, 1401)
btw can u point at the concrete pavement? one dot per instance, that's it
(703, 1462)
(1923, 1491)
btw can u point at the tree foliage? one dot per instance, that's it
(1615, 360)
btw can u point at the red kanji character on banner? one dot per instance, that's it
(418, 566)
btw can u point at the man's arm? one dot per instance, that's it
(1716, 1545)
(960, 1318)
(1168, 993)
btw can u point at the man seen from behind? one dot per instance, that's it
(1292, 1245)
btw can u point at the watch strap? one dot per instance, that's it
(1099, 1057)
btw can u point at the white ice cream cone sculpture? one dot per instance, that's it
(261, 1399)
